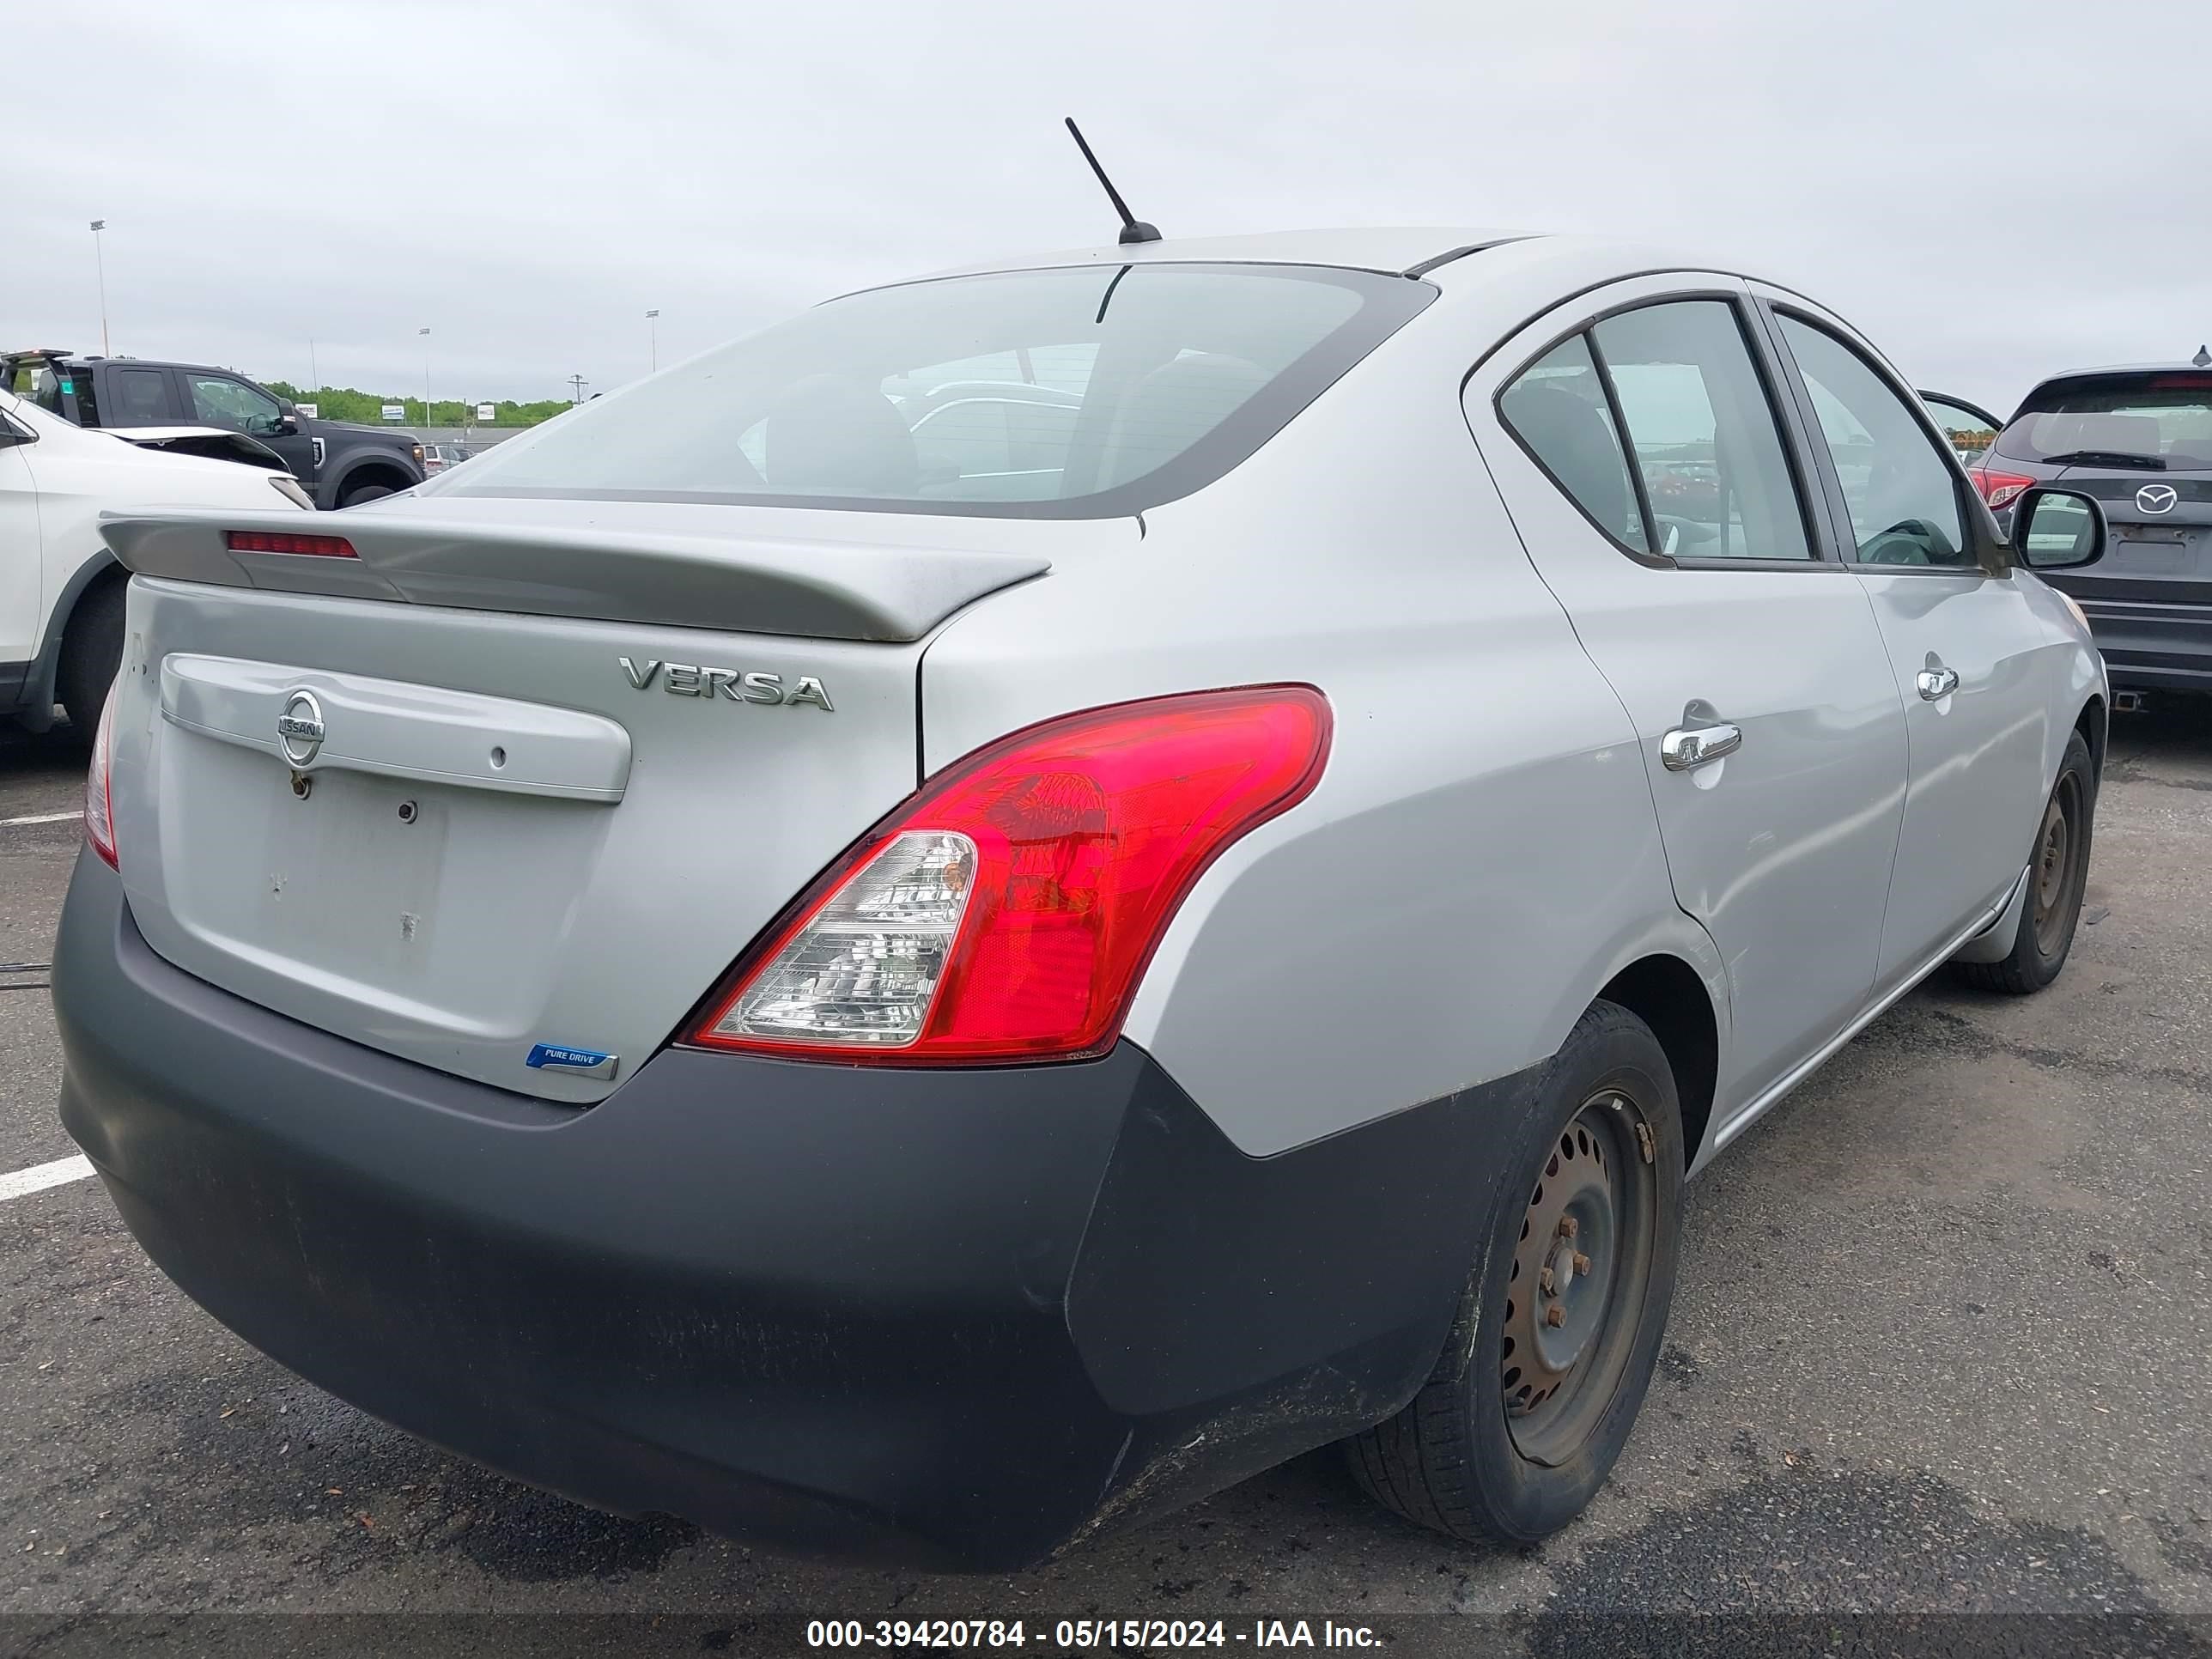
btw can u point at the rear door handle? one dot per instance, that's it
(1938, 683)
(1688, 746)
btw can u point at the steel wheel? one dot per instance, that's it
(1521, 1421)
(1584, 1256)
(2055, 848)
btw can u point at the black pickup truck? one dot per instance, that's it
(338, 464)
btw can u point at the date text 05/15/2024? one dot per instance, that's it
(1079, 1634)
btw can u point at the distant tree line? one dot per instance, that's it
(343, 403)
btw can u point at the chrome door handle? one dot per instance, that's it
(1687, 746)
(1936, 684)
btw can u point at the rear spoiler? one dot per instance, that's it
(742, 584)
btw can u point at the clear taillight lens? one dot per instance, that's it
(864, 969)
(98, 814)
(1997, 489)
(1008, 911)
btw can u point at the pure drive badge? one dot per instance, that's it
(589, 1062)
(686, 679)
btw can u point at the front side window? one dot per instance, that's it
(1702, 433)
(1971, 430)
(1902, 496)
(220, 401)
(1081, 393)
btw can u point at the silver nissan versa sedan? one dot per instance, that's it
(904, 969)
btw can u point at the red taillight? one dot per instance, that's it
(1997, 489)
(1008, 912)
(269, 541)
(99, 809)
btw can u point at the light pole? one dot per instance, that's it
(314, 374)
(100, 260)
(425, 333)
(653, 332)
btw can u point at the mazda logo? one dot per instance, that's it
(299, 728)
(2157, 498)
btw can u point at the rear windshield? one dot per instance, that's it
(2165, 419)
(36, 381)
(1080, 393)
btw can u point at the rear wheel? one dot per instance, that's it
(366, 493)
(92, 652)
(2056, 875)
(1560, 1328)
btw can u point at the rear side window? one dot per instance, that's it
(1557, 408)
(2151, 420)
(1703, 474)
(1083, 392)
(142, 397)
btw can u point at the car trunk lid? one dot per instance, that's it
(498, 834)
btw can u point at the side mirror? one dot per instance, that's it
(2057, 529)
(288, 425)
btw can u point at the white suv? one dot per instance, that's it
(61, 590)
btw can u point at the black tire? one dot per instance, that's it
(92, 652)
(366, 493)
(1454, 1459)
(2056, 879)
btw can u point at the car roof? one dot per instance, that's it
(1398, 250)
(2176, 367)
(78, 359)
(1506, 271)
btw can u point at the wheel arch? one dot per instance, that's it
(1669, 995)
(2093, 723)
(372, 468)
(38, 712)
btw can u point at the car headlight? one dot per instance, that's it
(289, 487)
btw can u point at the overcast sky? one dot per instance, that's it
(1991, 191)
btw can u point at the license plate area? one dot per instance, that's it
(355, 866)
(2155, 550)
(433, 905)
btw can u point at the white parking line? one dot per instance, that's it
(40, 1176)
(42, 818)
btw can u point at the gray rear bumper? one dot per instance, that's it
(950, 1317)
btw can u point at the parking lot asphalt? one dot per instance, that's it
(1940, 1347)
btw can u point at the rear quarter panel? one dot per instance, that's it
(1481, 854)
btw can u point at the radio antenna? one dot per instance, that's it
(1133, 229)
